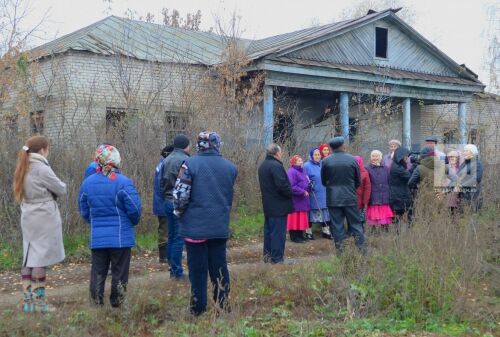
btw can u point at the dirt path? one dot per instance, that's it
(70, 278)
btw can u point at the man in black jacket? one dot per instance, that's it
(340, 175)
(277, 203)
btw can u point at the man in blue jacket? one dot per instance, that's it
(109, 202)
(171, 167)
(203, 197)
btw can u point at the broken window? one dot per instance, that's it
(116, 121)
(450, 136)
(36, 122)
(381, 41)
(175, 123)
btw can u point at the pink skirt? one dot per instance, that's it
(297, 221)
(379, 215)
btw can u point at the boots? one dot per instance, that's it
(40, 305)
(296, 236)
(27, 305)
(309, 235)
(326, 232)
(162, 251)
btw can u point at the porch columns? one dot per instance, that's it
(462, 122)
(268, 115)
(344, 115)
(407, 123)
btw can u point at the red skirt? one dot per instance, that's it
(298, 221)
(379, 215)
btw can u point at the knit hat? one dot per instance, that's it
(321, 147)
(293, 160)
(181, 141)
(336, 142)
(427, 151)
(472, 148)
(108, 160)
(395, 141)
(208, 140)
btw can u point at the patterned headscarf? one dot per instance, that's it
(208, 140)
(108, 160)
(321, 147)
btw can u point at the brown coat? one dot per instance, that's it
(40, 218)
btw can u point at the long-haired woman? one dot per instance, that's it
(36, 188)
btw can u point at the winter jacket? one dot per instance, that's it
(91, 169)
(318, 191)
(40, 218)
(158, 196)
(379, 178)
(400, 197)
(300, 184)
(469, 178)
(171, 167)
(211, 179)
(364, 190)
(425, 172)
(112, 207)
(340, 175)
(275, 188)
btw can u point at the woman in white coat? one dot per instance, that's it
(36, 188)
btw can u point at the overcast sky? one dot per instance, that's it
(457, 27)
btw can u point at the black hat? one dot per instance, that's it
(336, 142)
(432, 139)
(181, 141)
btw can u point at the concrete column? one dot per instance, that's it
(268, 114)
(462, 122)
(344, 115)
(407, 123)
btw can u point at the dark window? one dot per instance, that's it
(175, 123)
(116, 121)
(381, 42)
(450, 136)
(353, 128)
(36, 121)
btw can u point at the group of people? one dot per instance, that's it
(331, 188)
(193, 198)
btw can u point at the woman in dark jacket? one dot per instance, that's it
(400, 197)
(469, 178)
(379, 213)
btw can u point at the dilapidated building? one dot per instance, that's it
(370, 79)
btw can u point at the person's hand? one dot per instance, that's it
(306, 194)
(177, 213)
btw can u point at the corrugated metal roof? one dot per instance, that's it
(378, 70)
(142, 40)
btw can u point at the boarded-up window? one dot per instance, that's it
(381, 41)
(175, 123)
(36, 121)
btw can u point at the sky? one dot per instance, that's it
(458, 27)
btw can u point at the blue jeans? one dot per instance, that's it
(175, 242)
(208, 258)
(274, 239)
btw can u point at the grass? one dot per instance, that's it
(245, 227)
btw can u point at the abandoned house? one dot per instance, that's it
(370, 79)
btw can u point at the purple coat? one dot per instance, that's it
(300, 184)
(379, 178)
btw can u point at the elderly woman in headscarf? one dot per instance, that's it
(400, 196)
(379, 213)
(469, 176)
(324, 150)
(451, 170)
(298, 222)
(387, 161)
(318, 212)
(110, 203)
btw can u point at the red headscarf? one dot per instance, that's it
(321, 147)
(294, 159)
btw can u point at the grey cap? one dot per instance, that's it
(336, 142)
(432, 139)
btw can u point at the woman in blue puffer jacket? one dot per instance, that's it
(109, 202)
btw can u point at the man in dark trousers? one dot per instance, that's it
(340, 175)
(203, 197)
(277, 203)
